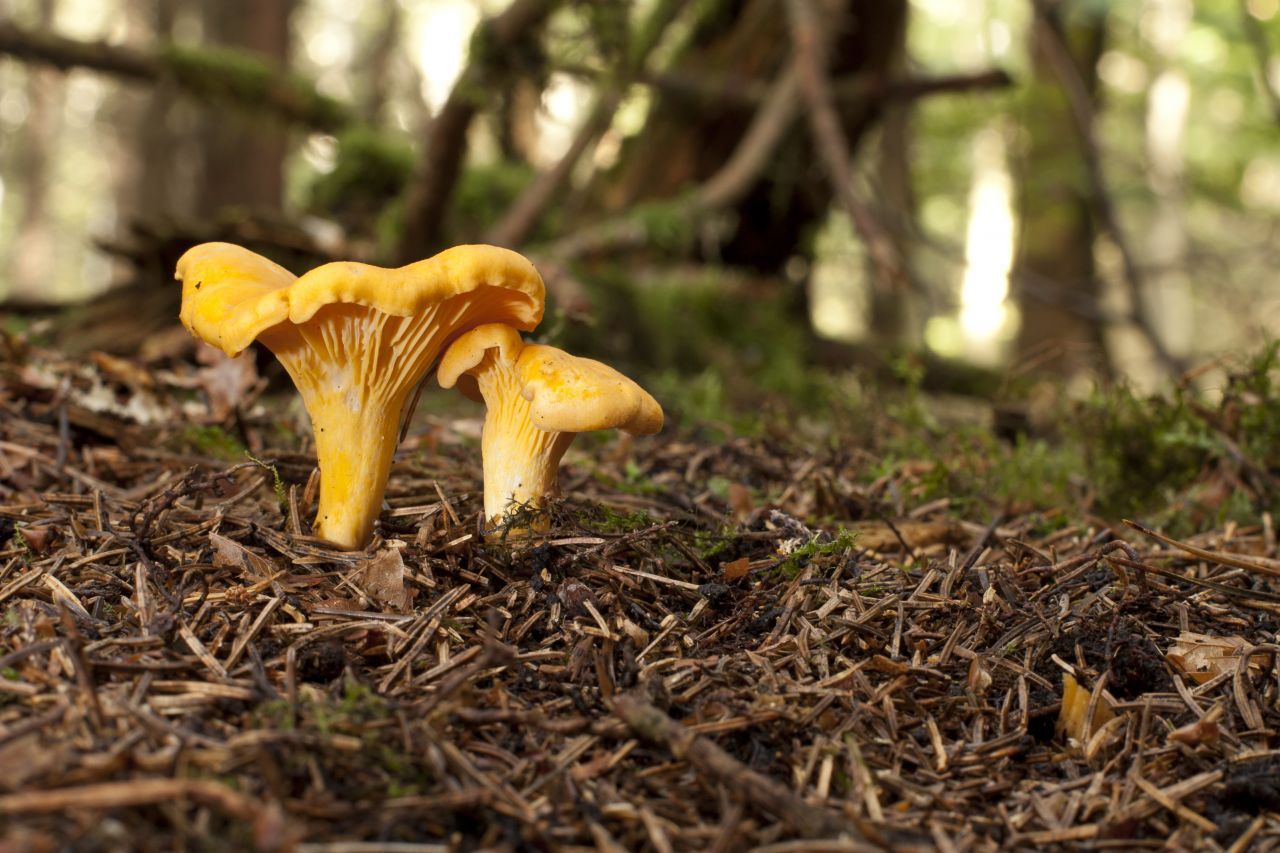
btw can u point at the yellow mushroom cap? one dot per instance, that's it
(231, 295)
(568, 393)
(466, 353)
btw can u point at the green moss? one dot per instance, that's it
(210, 440)
(248, 80)
(709, 348)
(364, 190)
(277, 483)
(484, 193)
(822, 548)
(606, 520)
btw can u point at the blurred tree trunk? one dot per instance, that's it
(32, 269)
(155, 181)
(894, 321)
(742, 45)
(1058, 290)
(244, 155)
(1168, 99)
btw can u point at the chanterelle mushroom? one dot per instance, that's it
(356, 339)
(538, 399)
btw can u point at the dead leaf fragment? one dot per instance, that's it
(124, 371)
(1075, 710)
(1202, 657)
(740, 501)
(228, 552)
(382, 579)
(1204, 731)
(37, 538)
(226, 381)
(736, 568)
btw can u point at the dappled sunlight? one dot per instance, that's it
(441, 32)
(988, 250)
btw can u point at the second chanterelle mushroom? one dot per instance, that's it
(538, 398)
(356, 339)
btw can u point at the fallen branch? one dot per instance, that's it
(239, 77)
(137, 792)
(1261, 565)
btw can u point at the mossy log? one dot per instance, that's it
(238, 77)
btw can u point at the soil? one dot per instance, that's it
(183, 667)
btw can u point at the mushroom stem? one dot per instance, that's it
(354, 450)
(355, 371)
(514, 478)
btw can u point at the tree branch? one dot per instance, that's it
(848, 92)
(519, 221)
(446, 144)
(1257, 38)
(833, 148)
(728, 185)
(1083, 114)
(240, 77)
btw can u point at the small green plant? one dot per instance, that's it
(277, 483)
(606, 520)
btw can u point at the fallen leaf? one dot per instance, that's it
(226, 381)
(382, 579)
(736, 568)
(1075, 707)
(228, 552)
(28, 758)
(1202, 657)
(123, 371)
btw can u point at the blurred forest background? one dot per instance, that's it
(737, 200)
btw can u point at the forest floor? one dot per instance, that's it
(716, 646)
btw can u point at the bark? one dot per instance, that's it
(893, 310)
(155, 180)
(377, 58)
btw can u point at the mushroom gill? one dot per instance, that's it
(356, 339)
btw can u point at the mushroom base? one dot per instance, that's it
(519, 475)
